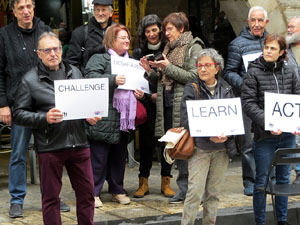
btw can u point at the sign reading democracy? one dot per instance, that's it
(282, 111)
(82, 98)
(133, 72)
(215, 117)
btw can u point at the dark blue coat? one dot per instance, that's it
(246, 43)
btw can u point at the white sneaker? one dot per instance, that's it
(121, 198)
(98, 202)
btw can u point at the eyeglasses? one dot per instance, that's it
(124, 38)
(206, 65)
(49, 50)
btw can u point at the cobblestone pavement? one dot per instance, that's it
(151, 205)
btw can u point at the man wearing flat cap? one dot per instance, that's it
(87, 39)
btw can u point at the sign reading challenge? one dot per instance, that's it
(82, 98)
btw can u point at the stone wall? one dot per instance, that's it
(279, 12)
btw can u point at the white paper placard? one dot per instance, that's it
(250, 58)
(208, 118)
(82, 98)
(133, 72)
(282, 111)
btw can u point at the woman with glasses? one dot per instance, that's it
(108, 141)
(172, 72)
(269, 73)
(208, 164)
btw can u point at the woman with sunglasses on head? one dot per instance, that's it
(269, 73)
(172, 72)
(209, 163)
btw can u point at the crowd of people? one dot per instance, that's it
(178, 67)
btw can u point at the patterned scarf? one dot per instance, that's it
(175, 53)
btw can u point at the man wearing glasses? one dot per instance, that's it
(242, 50)
(87, 39)
(17, 56)
(59, 143)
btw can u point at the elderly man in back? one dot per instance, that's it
(242, 50)
(293, 40)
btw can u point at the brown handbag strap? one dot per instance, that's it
(197, 90)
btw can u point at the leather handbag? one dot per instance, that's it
(184, 148)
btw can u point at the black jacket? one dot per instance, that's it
(34, 98)
(84, 44)
(15, 58)
(265, 77)
(246, 43)
(223, 90)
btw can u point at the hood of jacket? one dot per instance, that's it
(261, 64)
(246, 33)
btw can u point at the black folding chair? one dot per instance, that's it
(282, 156)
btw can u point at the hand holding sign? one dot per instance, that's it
(54, 116)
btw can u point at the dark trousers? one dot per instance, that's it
(79, 169)
(147, 144)
(108, 163)
(248, 163)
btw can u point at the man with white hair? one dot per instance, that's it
(293, 40)
(243, 49)
(87, 39)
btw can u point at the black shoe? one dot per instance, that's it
(283, 223)
(64, 207)
(16, 211)
(176, 200)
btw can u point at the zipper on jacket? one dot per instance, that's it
(278, 91)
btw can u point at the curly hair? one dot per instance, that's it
(213, 54)
(149, 20)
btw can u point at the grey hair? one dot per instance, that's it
(13, 2)
(296, 17)
(258, 8)
(213, 54)
(47, 34)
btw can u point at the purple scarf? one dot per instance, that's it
(125, 102)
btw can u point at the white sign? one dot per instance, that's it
(215, 117)
(250, 58)
(82, 98)
(282, 111)
(133, 72)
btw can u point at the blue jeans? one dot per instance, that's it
(297, 166)
(263, 153)
(19, 138)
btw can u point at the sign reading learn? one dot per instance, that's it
(216, 117)
(282, 111)
(82, 98)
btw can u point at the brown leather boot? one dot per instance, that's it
(165, 187)
(143, 188)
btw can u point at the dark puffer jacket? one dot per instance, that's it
(84, 43)
(106, 130)
(15, 58)
(35, 97)
(264, 77)
(246, 43)
(223, 90)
